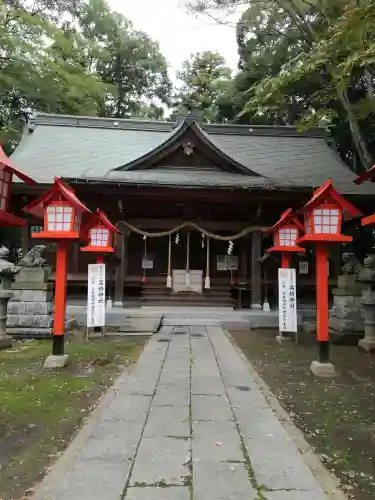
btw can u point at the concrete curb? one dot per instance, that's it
(328, 481)
(63, 462)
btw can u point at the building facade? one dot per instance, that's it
(192, 201)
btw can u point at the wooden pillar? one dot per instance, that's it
(121, 243)
(256, 272)
(244, 259)
(25, 236)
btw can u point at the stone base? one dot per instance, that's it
(367, 344)
(118, 304)
(5, 342)
(259, 307)
(29, 333)
(323, 369)
(53, 362)
(282, 339)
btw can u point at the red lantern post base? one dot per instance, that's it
(58, 358)
(322, 367)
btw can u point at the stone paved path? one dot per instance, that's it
(190, 423)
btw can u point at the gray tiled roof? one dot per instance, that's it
(91, 148)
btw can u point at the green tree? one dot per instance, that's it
(310, 62)
(127, 60)
(205, 84)
(40, 66)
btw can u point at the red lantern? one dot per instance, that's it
(324, 215)
(7, 170)
(285, 234)
(62, 212)
(99, 232)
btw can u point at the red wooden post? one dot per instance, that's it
(285, 260)
(324, 214)
(60, 298)
(62, 212)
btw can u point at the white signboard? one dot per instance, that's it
(96, 295)
(287, 300)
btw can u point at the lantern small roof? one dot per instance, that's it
(369, 174)
(99, 216)
(59, 187)
(326, 192)
(6, 163)
(287, 218)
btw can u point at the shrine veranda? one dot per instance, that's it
(192, 202)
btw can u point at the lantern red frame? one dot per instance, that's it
(59, 196)
(286, 221)
(7, 170)
(327, 198)
(99, 221)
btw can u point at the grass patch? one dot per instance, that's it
(337, 416)
(40, 411)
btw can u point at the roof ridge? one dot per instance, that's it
(62, 120)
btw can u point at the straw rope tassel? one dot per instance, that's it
(207, 280)
(169, 277)
(188, 277)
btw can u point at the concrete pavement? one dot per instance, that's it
(190, 423)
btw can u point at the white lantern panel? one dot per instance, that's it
(99, 236)
(326, 220)
(288, 236)
(59, 218)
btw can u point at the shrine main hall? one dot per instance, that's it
(192, 202)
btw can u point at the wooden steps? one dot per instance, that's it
(158, 294)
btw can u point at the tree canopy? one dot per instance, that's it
(307, 62)
(75, 57)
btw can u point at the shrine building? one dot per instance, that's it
(192, 202)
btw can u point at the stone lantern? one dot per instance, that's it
(367, 277)
(7, 272)
(324, 214)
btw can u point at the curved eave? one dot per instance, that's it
(165, 147)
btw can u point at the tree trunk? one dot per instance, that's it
(358, 140)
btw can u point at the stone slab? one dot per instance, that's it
(113, 441)
(130, 407)
(19, 332)
(52, 362)
(141, 325)
(324, 370)
(155, 493)
(221, 481)
(29, 307)
(367, 344)
(171, 395)
(166, 426)
(94, 480)
(216, 441)
(33, 295)
(210, 408)
(161, 460)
